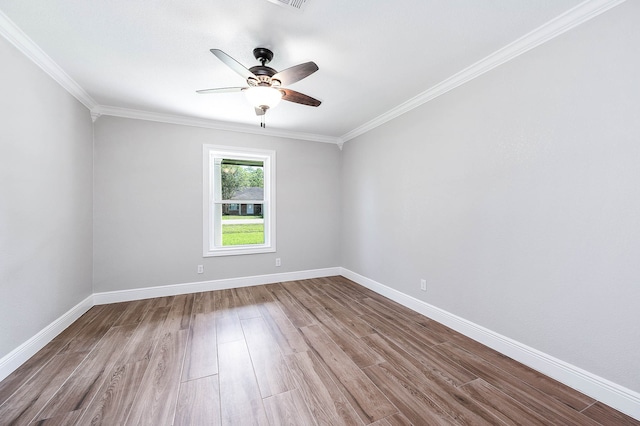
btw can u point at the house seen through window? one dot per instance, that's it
(239, 212)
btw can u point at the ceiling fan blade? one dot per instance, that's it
(295, 73)
(299, 98)
(233, 64)
(260, 111)
(221, 90)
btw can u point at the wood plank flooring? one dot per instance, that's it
(314, 352)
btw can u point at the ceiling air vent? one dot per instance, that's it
(291, 4)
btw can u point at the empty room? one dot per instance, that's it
(312, 212)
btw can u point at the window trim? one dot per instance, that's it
(268, 157)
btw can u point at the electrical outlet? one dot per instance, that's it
(278, 263)
(423, 285)
(200, 269)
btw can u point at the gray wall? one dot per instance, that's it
(148, 205)
(45, 200)
(517, 196)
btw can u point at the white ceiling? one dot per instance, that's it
(374, 56)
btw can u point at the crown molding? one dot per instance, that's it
(557, 26)
(572, 18)
(10, 31)
(15, 36)
(100, 110)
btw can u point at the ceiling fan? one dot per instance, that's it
(265, 86)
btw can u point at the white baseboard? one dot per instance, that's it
(603, 390)
(612, 394)
(186, 288)
(14, 359)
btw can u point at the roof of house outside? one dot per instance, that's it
(249, 193)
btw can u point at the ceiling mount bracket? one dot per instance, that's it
(263, 55)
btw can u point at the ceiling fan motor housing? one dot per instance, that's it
(263, 72)
(263, 77)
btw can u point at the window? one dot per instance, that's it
(239, 201)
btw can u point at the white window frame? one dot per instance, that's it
(212, 215)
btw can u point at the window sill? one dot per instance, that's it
(238, 250)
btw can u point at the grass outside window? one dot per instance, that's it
(242, 234)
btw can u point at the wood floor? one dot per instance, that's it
(314, 352)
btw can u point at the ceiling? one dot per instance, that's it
(376, 58)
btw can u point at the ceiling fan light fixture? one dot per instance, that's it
(263, 97)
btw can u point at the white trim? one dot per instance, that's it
(557, 26)
(22, 353)
(14, 359)
(207, 123)
(612, 394)
(31, 50)
(221, 284)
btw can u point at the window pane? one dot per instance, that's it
(244, 226)
(242, 182)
